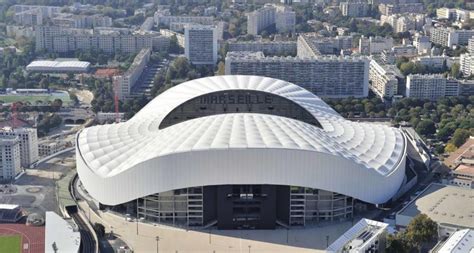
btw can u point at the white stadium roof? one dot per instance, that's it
(58, 66)
(362, 160)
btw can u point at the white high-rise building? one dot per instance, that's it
(374, 45)
(467, 64)
(260, 19)
(470, 45)
(449, 37)
(354, 8)
(285, 19)
(313, 45)
(326, 76)
(422, 44)
(383, 79)
(63, 40)
(131, 76)
(431, 87)
(10, 161)
(267, 47)
(200, 44)
(282, 17)
(28, 143)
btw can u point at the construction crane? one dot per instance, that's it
(14, 115)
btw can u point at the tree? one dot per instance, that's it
(182, 67)
(426, 127)
(221, 68)
(57, 104)
(459, 137)
(396, 244)
(450, 148)
(174, 45)
(407, 68)
(44, 83)
(455, 70)
(420, 230)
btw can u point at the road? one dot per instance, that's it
(424, 179)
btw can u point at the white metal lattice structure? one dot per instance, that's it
(121, 162)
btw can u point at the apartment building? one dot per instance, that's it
(431, 87)
(312, 45)
(422, 43)
(69, 20)
(449, 37)
(46, 148)
(33, 14)
(453, 14)
(389, 9)
(165, 20)
(200, 44)
(285, 19)
(126, 81)
(466, 87)
(62, 40)
(10, 161)
(467, 64)
(404, 50)
(267, 47)
(404, 22)
(28, 143)
(328, 76)
(432, 62)
(383, 79)
(282, 17)
(470, 45)
(374, 45)
(260, 19)
(358, 8)
(168, 34)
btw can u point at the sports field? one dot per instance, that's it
(10, 244)
(33, 98)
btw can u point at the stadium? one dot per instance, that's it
(240, 152)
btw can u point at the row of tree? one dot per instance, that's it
(438, 120)
(421, 231)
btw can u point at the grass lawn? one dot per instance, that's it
(32, 99)
(10, 244)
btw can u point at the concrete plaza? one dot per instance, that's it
(141, 237)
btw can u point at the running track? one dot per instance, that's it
(32, 237)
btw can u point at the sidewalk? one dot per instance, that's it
(180, 240)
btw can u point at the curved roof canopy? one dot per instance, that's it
(343, 150)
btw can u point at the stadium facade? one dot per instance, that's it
(240, 152)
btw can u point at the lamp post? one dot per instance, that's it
(250, 246)
(157, 244)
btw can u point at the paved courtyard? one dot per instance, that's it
(175, 240)
(35, 190)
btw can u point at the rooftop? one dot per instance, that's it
(444, 204)
(57, 64)
(61, 232)
(8, 206)
(461, 241)
(466, 150)
(464, 169)
(358, 235)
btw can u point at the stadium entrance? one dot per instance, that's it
(245, 206)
